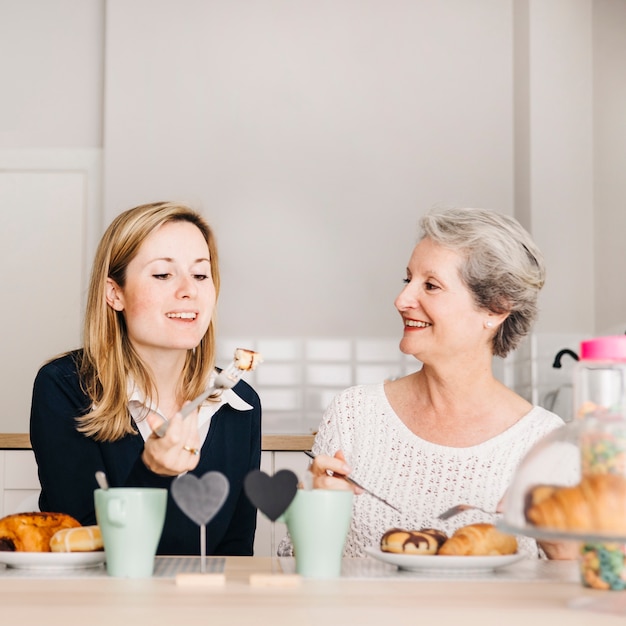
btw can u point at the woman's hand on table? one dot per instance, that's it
(178, 451)
(328, 472)
(560, 550)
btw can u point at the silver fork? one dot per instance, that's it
(460, 508)
(353, 482)
(226, 379)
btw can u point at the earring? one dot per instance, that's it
(488, 324)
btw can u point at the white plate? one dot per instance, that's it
(434, 562)
(52, 560)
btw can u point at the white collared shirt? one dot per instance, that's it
(137, 407)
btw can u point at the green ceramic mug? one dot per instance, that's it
(318, 521)
(131, 521)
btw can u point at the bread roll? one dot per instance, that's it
(479, 540)
(596, 504)
(31, 532)
(81, 539)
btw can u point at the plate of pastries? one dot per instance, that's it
(42, 540)
(476, 547)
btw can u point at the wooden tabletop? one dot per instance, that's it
(393, 601)
(275, 443)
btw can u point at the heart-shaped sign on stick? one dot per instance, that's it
(271, 494)
(200, 499)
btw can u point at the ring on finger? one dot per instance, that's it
(194, 451)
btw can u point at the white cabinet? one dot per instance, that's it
(19, 484)
(19, 488)
(49, 232)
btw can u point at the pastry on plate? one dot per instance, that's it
(399, 541)
(31, 532)
(479, 540)
(77, 539)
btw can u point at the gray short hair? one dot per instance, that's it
(503, 269)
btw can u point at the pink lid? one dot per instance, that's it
(604, 349)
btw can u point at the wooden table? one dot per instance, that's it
(522, 596)
(276, 442)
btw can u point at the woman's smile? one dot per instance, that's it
(189, 316)
(413, 324)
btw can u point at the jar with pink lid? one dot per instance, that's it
(600, 405)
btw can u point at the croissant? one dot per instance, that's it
(31, 532)
(479, 540)
(596, 504)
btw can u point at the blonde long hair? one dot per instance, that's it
(109, 359)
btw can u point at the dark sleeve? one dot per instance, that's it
(66, 459)
(239, 536)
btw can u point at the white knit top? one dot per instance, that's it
(422, 479)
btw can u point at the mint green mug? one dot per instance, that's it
(318, 521)
(131, 521)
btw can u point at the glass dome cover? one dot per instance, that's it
(572, 484)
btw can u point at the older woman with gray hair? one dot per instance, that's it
(450, 432)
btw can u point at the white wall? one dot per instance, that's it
(51, 69)
(313, 134)
(609, 23)
(560, 139)
(51, 64)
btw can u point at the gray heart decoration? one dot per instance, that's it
(200, 499)
(271, 494)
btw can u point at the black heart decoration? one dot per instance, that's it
(200, 499)
(271, 494)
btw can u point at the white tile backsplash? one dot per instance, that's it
(280, 349)
(280, 374)
(522, 373)
(226, 349)
(334, 375)
(316, 400)
(552, 387)
(328, 350)
(526, 392)
(409, 364)
(366, 374)
(548, 345)
(319, 400)
(299, 377)
(377, 350)
(286, 400)
(525, 349)
(548, 376)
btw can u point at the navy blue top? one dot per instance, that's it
(67, 462)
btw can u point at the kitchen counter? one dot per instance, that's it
(269, 443)
(369, 595)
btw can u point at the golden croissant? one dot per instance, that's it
(596, 504)
(479, 540)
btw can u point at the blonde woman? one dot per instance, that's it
(148, 348)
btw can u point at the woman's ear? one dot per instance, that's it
(494, 320)
(114, 296)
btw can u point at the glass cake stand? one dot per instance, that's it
(560, 460)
